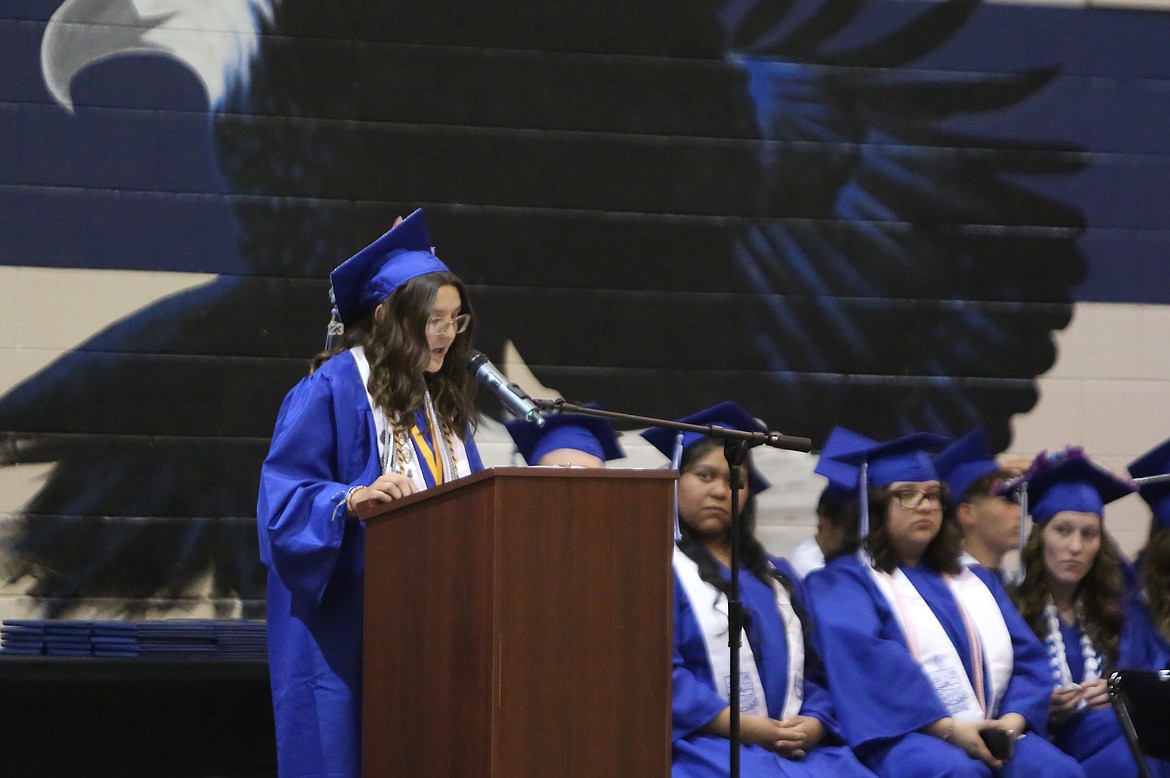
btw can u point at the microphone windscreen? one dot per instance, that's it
(475, 360)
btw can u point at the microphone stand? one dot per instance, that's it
(735, 451)
(736, 444)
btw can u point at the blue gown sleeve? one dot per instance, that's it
(878, 690)
(818, 703)
(312, 459)
(694, 702)
(1029, 689)
(1141, 645)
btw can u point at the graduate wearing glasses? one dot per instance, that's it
(929, 665)
(387, 411)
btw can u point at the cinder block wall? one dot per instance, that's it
(1109, 390)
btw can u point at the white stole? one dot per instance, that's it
(412, 469)
(711, 611)
(987, 633)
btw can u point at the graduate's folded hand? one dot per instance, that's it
(1095, 693)
(757, 730)
(965, 735)
(798, 735)
(1064, 704)
(791, 738)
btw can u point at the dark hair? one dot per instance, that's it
(753, 554)
(394, 338)
(941, 554)
(1155, 572)
(981, 487)
(1099, 593)
(836, 509)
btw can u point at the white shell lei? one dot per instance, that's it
(1057, 656)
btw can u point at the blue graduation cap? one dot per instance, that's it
(901, 459)
(369, 276)
(965, 461)
(1153, 463)
(881, 464)
(591, 434)
(1073, 483)
(727, 415)
(841, 442)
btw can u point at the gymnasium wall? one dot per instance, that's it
(888, 214)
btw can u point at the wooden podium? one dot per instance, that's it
(518, 625)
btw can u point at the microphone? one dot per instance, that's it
(512, 396)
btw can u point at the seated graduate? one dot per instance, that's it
(990, 522)
(1072, 594)
(926, 657)
(566, 440)
(832, 515)
(1151, 602)
(835, 520)
(385, 412)
(786, 724)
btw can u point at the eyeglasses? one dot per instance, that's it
(437, 325)
(912, 498)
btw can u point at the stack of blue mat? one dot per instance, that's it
(22, 636)
(191, 638)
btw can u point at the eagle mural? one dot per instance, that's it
(771, 202)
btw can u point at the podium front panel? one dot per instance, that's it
(427, 664)
(519, 625)
(584, 628)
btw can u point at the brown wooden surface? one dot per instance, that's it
(518, 624)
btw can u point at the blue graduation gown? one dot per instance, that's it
(324, 443)
(1142, 645)
(695, 701)
(1092, 737)
(881, 694)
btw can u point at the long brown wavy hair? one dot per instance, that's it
(1155, 572)
(394, 338)
(1099, 593)
(941, 554)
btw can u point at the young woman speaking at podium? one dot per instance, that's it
(386, 411)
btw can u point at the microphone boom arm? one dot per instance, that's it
(771, 439)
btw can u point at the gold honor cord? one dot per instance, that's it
(428, 454)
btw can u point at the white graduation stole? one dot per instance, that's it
(410, 462)
(987, 634)
(710, 608)
(980, 608)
